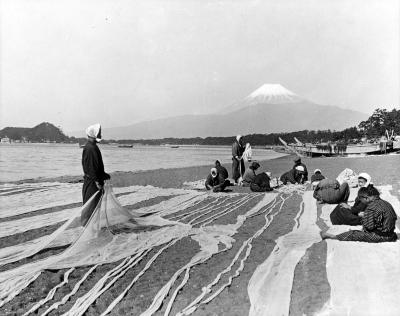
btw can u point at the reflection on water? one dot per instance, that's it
(25, 161)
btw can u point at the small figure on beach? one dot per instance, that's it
(297, 162)
(331, 191)
(237, 159)
(216, 181)
(293, 176)
(221, 170)
(344, 214)
(250, 174)
(378, 222)
(261, 182)
(93, 169)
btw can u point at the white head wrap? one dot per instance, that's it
(93, 131)
(365, 176)
(214, 172)
(317, 170)
(300, 168)
(238, 137)
(269, 174)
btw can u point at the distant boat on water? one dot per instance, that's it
(334, 149)
(175, 146)
(125, 146)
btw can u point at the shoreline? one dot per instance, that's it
(381, 168)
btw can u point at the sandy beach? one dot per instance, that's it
(310, 289)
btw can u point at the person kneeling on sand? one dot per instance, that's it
(316, 178)
(297, 162)
(293, 176)
(378, 222)
(221, 170)
(261, 182)
(250, 174)
(215, 181)
(344, 214)
(331, 191)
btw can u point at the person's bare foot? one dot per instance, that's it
(325, 235)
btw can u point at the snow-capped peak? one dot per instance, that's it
(272, 94)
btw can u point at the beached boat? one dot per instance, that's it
(174, 146)
(333, 149)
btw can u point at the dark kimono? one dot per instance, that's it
(305, 173)
(261, 183)
(222, 171)
(378, 224)
(291, 176)
(331, 192)
(93, 168)
(217, 184)
(237, 165)
(348, 216)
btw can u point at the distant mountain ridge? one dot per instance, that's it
(269, 109)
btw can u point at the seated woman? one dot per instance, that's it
(250, 174)
(261, 182)
(216, 181)
(293, 176)
(316, 178)
(331, 192)
(378, 222)
(344, 214)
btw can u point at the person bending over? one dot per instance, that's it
(215, 181)
(378, 222)
(331, 192)
(261, 182)
(250, 174)
(293, 176)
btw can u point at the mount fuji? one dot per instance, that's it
(269, 109)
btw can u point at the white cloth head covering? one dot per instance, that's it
(269, 174)
(365, 176)
(238, 137)
(300, 168)
(214, 172)
(93, 131)
(317, 170)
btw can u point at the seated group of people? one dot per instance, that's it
(376, 216)
(218, 180)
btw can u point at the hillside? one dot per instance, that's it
(44, 132)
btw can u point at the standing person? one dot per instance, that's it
(93, 169)
(297, 162)
(378, 222)
(237, 158)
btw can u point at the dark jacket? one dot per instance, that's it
(317, 177)
(237, 149)
(291, 176)
(261, 183)
(305, 178)
(211, 182)
(92, 163)
(222, 171)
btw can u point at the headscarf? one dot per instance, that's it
(300, 168)
(238, 137)
(317, 170)
(93, 131)
(214, 172)
(269, 174)
(366, 177)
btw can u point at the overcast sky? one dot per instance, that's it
(74, 63)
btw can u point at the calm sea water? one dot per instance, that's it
(26, 161)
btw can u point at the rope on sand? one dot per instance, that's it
(211, 204)
(50, 295)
